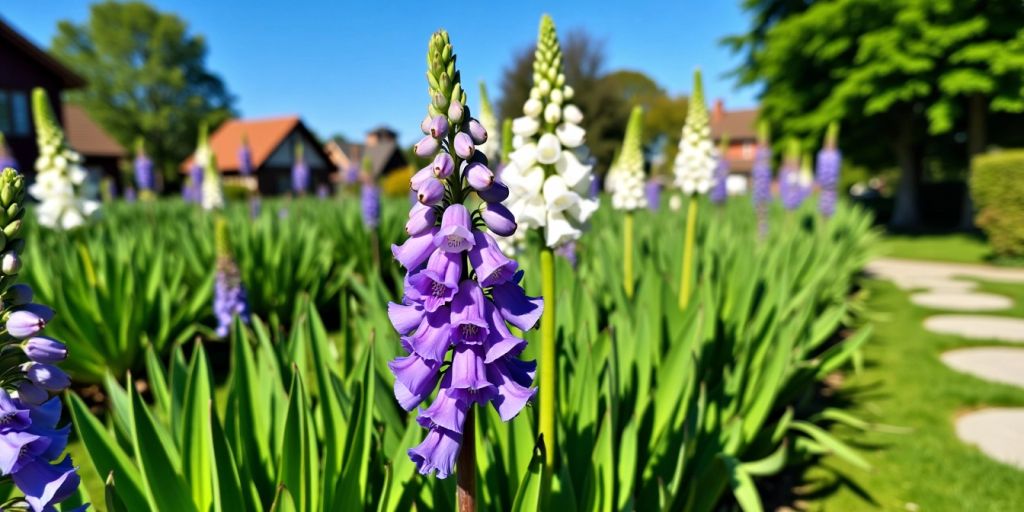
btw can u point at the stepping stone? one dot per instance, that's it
(997, 432)
(978, 327)
(936, 284)
(996, 364)
(961, 301)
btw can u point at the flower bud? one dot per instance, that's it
(10, 263)
(431, 192)
(552, 113)
(46, 376)
(425, 124)
(496, 193)
(572, 114)
(18, 295)
(420, 177)
(556, 96)
(28, 321)
(548, 148)
(427, 146)
(477, 132)
(438, 127)
(479, 176)
(533, 107)
(464, 147)
(443, 165)
(455, 112)
(499, 219)
(421, 218)
(32, 394)
(45, 350)
(568, 92)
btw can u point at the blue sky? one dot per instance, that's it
(348, 66)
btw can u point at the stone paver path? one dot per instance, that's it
(997, 432)
(978, 327)
(999, 364)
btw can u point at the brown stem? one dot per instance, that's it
(465, 467)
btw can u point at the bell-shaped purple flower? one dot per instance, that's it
(432, 338)
(468, 323)
(436, 285)
(405, 317)
(469, 373)
(30, 393)
(514, 306)
(512, 379)
(45, 484)
(13, 415)
(490, 263)
(421, 218)
(416, 375)
(437, 453)
(454, 235)
(447, 411)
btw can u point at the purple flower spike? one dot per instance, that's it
(515, 307)
(719, 191)
(468, 324)
(437, 453)
(421, 218)
(499, 219)
(415, 250)
(427, 146)
(443, 165)
(479, 176)
(464, 147)
(491, 265)
(439, 127)
(28, 321)
(454, 235)
(477, 132)
(496, 193)
(437, 284)
(45, 350)
(431, 192)
(370, 204)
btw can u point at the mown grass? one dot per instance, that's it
(905, 384)
(961, 248)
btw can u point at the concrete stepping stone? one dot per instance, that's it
(997, 432)
(978, 327)
(996, 364)
(936, 284)
(961, 301)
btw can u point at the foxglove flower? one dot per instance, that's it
(829, 163)
(548, 146)
(211, 190)
(66, 199)
(30, 440)
(761, 172)
(244, 158)
(6, 158)
(790, 190)
(300, 171)
(461, 291)
(144, 177)
(229, 299)
(695, 162)
(625, 179)
(370, 202)
(719, 191)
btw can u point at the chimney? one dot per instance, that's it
(718, 111)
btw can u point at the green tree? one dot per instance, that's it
(913, 81)
(146, 76)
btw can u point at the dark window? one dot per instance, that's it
(14, 113)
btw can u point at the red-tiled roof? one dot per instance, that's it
(264, 136)
(737, 124)
(87, 137)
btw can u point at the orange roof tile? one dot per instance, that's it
(264, 135)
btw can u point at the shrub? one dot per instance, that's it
(997, 186)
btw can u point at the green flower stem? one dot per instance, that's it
(627, 253)
(465, 468)
(687, 270)
(548, 363)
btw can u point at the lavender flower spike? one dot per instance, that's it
(229, 298)
(28, 414)
(369, 201)
(300, 171)
(789, 177)
(450, 318)
(828, 166)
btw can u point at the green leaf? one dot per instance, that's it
(166, 488)
(742, 486)
(528, 496)
(354, 477)
(832, 444)
(297, 469)
(114, 503)
(107, 456)
(197, 437)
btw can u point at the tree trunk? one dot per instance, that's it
(905, 215)
(977, 139)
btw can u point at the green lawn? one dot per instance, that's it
(960, 248)
(905, 384)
